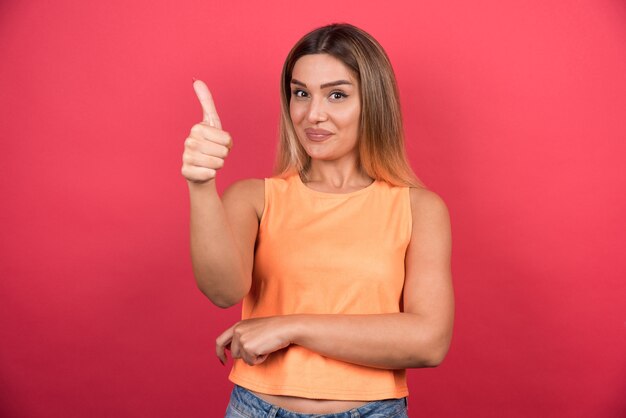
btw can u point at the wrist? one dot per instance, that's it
(208, 186)
(295, 328)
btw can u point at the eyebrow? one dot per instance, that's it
(323, 86)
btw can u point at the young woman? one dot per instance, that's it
(341, 258)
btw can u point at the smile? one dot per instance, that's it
(317, 135)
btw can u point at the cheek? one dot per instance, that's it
(295, 112)
(350, 117)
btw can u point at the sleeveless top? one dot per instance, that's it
(326, 253)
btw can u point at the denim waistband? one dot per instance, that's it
(247, 404)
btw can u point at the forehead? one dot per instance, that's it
(316, 69)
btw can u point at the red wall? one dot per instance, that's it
(515, 113)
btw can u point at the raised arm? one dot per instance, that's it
(419, 336)
(222, 230)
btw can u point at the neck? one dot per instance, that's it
(336, 174)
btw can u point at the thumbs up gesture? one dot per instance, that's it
(207, 144)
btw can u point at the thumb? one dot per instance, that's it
(209, 113)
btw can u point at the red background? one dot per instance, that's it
(515, 114)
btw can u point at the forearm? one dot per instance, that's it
(388, 341)
(216, 260)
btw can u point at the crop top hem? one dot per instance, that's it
(336, 394)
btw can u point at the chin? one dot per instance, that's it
(320, 154)
(315, 156)
(313, 152)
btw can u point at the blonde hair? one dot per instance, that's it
(382, 155)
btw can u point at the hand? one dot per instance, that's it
(207, 144)
(254, 339)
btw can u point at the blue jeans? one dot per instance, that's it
(245, 404)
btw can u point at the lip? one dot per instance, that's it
(317, 135)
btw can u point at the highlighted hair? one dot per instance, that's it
(382, 154)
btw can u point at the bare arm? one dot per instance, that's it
(417, 337)
(223, 232)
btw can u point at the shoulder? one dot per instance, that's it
(428, 207)
(249, 192)
(425, 199)
(245, 186)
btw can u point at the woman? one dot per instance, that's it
(342, 258)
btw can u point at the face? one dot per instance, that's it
(325, 107)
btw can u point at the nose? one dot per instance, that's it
(316, 111)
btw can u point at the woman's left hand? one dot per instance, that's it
(254, 339)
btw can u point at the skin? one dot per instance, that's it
(334, 108)
(417, 337)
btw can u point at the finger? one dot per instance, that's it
(199, 159)
(219, 350)
(198, 174)
(221, 342)
(214, 150)
(235, 348)
(209, 113)
(248, 358)
(251, 358)
(205, 131)
(259, 359)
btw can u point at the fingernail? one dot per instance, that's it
(194, 79)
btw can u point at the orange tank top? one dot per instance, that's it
(326, 253)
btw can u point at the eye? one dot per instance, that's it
(299, 93)
(338, 95)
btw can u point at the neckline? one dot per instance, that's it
(308, 190)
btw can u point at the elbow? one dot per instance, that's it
(438, 353)
(222, 301)
(430, 360)
(434, 355)
(434, 360)
(223, 304)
